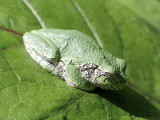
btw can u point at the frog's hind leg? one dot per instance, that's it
(72, 75)
(42, 46)
(45, 53)
(43, 63)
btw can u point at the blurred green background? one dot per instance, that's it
(129, 29)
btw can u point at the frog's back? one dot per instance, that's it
(75, 45)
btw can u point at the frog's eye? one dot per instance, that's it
(109, 75)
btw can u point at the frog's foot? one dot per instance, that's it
(72, 75)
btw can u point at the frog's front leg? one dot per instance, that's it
(72, 75)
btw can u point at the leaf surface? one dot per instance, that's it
(128, 29)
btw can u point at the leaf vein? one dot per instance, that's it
(35, 13)
(95, 34)
(14, 46)
(11, 31)
(155, 47)
(145, 28)
(67, 109)
(104, 107)
(18, 77)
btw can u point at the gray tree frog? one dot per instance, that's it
(76, 58)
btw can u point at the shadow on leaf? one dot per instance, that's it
(131, 101)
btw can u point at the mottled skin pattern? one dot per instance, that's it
(76, 58)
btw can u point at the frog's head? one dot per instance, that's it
(107, 76)
(113, 77)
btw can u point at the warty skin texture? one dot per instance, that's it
(76, 58)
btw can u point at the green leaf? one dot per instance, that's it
(128, 29)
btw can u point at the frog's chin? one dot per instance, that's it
(117, 85)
